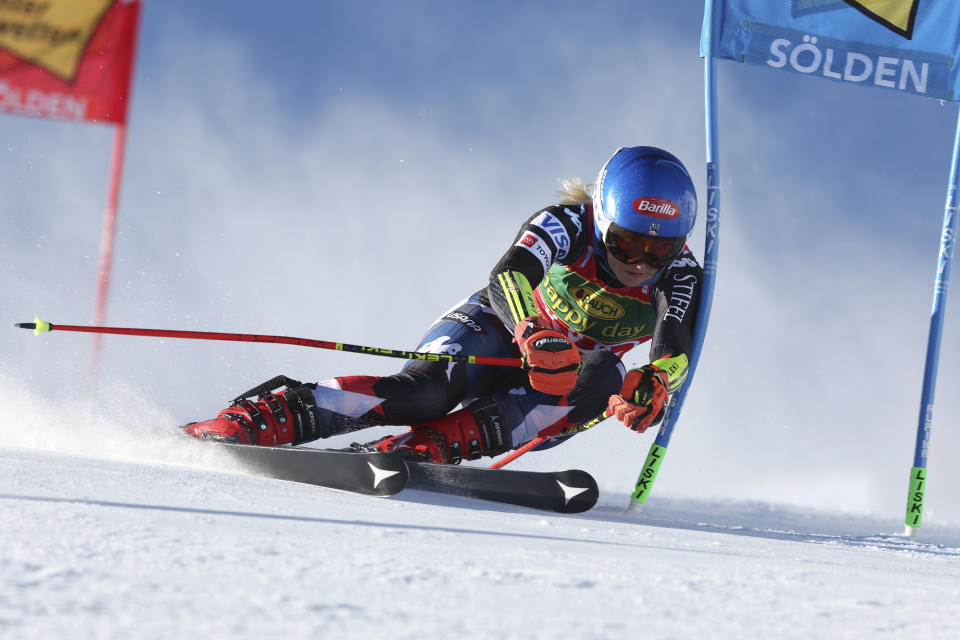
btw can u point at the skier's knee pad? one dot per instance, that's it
(601, 376)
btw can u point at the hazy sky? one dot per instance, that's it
(349, 170)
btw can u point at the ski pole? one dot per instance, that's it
(39, 326)
(540, 439)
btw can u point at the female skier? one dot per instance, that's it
(583, 283)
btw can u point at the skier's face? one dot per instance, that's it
(632, 275)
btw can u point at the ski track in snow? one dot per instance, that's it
(101, 547)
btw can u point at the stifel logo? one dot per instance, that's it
(897, 15)
(51, 34)
(656, 208)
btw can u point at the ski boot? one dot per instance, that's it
(467, 433)
(285, 417)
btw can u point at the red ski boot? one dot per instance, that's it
(468, 433)
(287, 417)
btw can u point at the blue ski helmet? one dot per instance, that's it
(645, 190)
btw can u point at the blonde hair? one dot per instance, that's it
(574, 191)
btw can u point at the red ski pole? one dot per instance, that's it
(39, 326)
(543, 437)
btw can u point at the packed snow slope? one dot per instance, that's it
(165, 541)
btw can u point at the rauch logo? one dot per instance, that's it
(595, 304)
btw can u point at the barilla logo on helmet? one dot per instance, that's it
(656, 208)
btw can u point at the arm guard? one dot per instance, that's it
(511, 291)
(676, 369)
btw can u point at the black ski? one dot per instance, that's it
(372, 473)
(382, 474)
(572, 491)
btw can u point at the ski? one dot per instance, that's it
(379, 473)
(572, 491)
(372, 473)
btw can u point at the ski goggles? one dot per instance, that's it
(632, 247)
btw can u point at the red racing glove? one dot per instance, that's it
(551, 360)
(641, 399)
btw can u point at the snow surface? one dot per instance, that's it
(132, 534)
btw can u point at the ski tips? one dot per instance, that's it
(38, 326)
